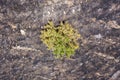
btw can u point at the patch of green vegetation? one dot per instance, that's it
(61, 39)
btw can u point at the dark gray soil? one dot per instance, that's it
(24, 57)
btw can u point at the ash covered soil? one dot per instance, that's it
(24, 57)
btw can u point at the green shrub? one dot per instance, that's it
(61, 39)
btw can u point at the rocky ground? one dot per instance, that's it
(24, 57)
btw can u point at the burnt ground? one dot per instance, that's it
(24, 57)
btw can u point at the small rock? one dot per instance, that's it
(23, 32)
(98, 36)
(116, 76)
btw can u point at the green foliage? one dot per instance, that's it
(62, 39)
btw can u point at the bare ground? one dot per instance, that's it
(24, 57)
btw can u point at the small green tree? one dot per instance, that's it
(62, 39)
